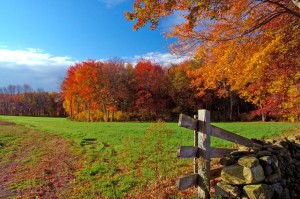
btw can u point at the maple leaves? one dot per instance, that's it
(109, 90)
(245, 47)
(182, 94)
(149, 80)
(86, 88)
(262, 71)
(231, 18)
(115, 91)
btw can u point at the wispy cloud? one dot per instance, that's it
(32, 66)
(164, 59)
(40, 69)
(111, 3)
(34, 59)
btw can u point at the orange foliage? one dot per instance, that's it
(246, 47)
(96, 91)
(149, 98)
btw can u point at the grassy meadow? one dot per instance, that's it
(115, 132)
(117, 160)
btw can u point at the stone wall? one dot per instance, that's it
(271, 169)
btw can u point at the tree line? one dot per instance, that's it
(24, 101)
(118, 91)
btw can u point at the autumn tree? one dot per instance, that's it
(96, 90)
(23, 100)
(256, 69)
(150, 98)
(243, 45)
(118, 77)
(211, 20)
(68, 91)
(78, 89)
(184, 97)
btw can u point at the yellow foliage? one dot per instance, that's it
(97, 116)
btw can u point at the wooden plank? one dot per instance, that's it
(187, 122)
(188, 152)
(215, 172)
(187, 182)
(220, 152)
(196, 145)
(226, 135)
(204, 143)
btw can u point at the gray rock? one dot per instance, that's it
(227, 190)
(268, 170)
(248, 161)
(265, 160)
(263, 153)
(277, 190)
(238, 175)
(259, 191)
(251, 149)
(258, 146)
(291, 138)
(273, 178)
(238, 154)
(275, 162)
(270, 141)
(284, 144)
(276, 147)
(227, 160)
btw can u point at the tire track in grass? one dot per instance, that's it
(34, 164)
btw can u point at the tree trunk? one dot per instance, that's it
(231, 106)
(89, 112)
(264, 117)
(71, 108)
(77, 111)
(105, 112)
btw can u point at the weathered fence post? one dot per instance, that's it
(202, 152)
(204, 133)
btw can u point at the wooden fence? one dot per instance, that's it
(202, 152)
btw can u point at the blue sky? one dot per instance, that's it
(39, 39)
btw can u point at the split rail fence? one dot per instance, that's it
(202, 152)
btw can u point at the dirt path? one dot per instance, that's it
(34, 164)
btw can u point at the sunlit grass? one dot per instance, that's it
(133, 158)
(115, 132)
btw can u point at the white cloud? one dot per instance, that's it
(164, 59)
(32, 66)
(34, 59)
(111, 3)
(40, 69)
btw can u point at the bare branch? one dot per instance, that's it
(292, 12)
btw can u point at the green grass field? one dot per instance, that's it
(120, 160)
(115, 132)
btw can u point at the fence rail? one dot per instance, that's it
(202, 152)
